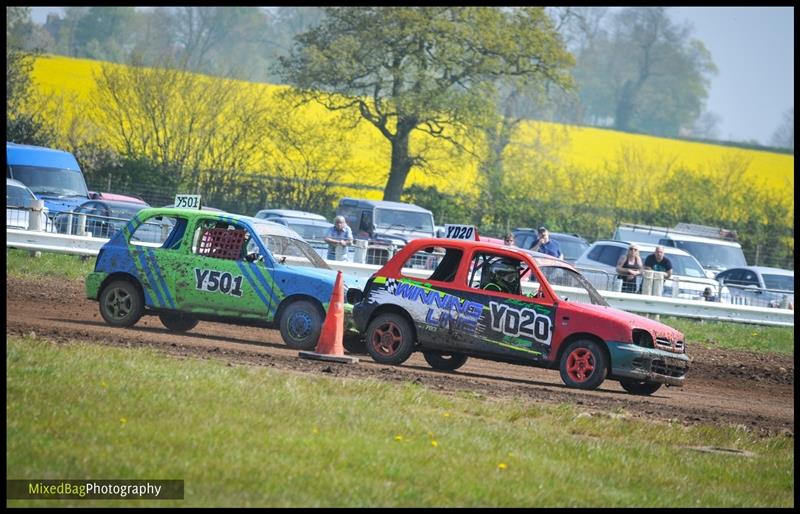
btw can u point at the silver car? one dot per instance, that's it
(599, 261)
(760, 286)
(18, 205)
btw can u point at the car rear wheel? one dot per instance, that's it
(301, 324)
(121, 304)
(177, 322)
(390, 339)
(639, 386)
(444, 361)
(583, 365)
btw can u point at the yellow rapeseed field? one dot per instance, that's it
(581, 150)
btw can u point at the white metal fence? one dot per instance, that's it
(358, 273)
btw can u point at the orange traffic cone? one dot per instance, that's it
(330, 346)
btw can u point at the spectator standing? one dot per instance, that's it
(629, 267)
(508, 239)
(657, 261)
(544, 244)
(338, 235)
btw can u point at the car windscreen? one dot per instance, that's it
(682, 265)
(780, 282)
(404, 220)
(51, 181)
(124, 212)
(18, 197)
(570, 248)
(309, 232)
(568, 277)
(281, 245)
(714, 256)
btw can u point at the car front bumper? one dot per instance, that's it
(648, 364)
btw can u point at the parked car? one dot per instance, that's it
(310, 226)
(472, 305)
(572, 245)
(603, 255)
(103, 218)
(18, 205)
(116, 197)
(217, 267)
(759, 285)
(714, 248)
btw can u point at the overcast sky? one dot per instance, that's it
(753, 48)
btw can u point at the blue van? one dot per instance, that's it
(53, 175)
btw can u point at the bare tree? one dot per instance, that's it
(784, 134)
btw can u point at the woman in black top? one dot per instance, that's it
(628, 268)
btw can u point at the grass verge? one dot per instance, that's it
(251, 436)
(734, 336)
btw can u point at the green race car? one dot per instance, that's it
(212, 266)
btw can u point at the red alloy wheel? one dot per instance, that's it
(386, 338)
(580, 364)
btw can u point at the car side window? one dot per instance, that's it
(443, 262)
(610, 255)
(493, 272)
(750, 278)
(219, 239)
(525, 241)
(164, 231)
(733, 277)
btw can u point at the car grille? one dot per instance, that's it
(661, 367)
(665, 344)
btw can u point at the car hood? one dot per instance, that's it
(400, 237)
(633, 320)
(56, 205)
(322, 274)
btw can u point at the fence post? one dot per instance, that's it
(676, 286)
(81, 225)
(658, 283)
(647, 282)
(339, 252)
(35, 216)
(360, 254)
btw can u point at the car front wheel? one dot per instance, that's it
(177, 322)
(301, 324)
(583, 365)
(121, 304)
(444, 361)
(639, 387)
(390, 339)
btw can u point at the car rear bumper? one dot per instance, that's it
(648, 364)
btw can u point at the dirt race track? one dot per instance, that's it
(722, 387)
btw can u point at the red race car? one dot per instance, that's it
(478, 299)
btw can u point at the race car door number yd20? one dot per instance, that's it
(523, 322)
(224, 282)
